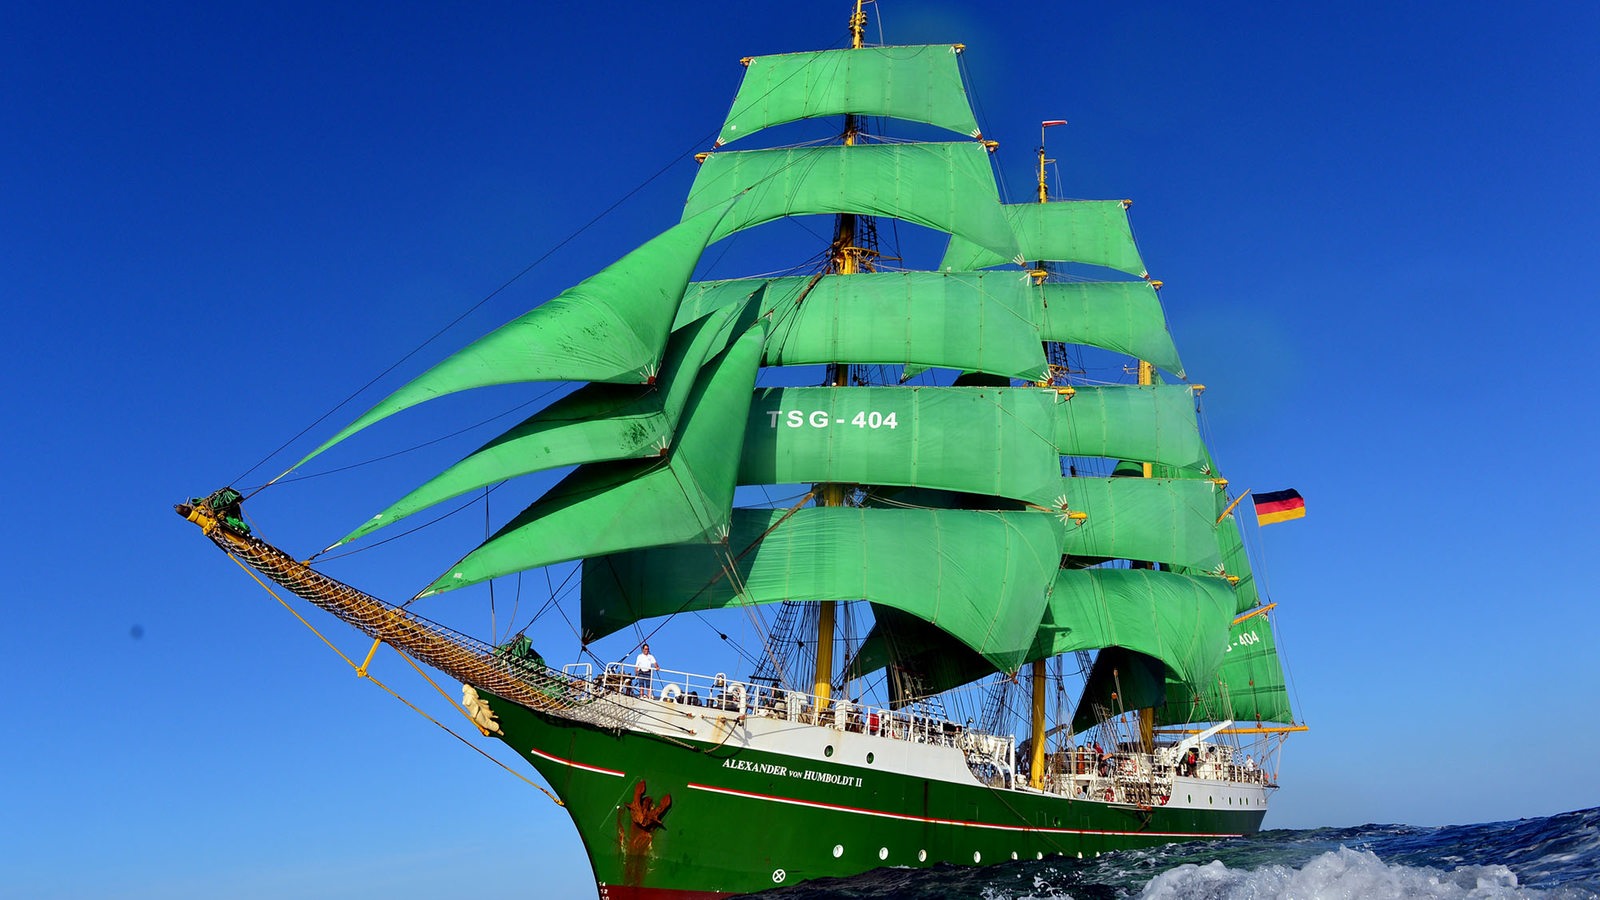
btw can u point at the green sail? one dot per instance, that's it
(981, 321)
(944, 186)
(1232, 556)
(974, 321)
(597, 422)
(1170, 521)
(1248, 686)
(1180, 620)
(982, 577)
(606, 507)
(1236, 562)
(918, 83)
(1093, 232)
(1121, 316)
(1011, 438)
(1120, 680)
(612, 327)
(1151, 423)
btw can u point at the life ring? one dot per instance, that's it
(671, 693)
(1109, 795)
(1164, 798)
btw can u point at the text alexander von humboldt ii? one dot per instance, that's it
(745, 765)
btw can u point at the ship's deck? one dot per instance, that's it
(1119, 774)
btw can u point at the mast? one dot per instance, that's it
(1147, 714)
(844, 259)
(1036, 742)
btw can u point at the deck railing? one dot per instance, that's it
(988, 754)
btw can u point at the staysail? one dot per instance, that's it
(605, 507)
(612, 327)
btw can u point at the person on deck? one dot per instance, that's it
(1190, 762)
(645, 672)
(722, 696)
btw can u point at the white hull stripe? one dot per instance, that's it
(577, 765)
(961, 822)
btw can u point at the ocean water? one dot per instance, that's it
(1556, 858)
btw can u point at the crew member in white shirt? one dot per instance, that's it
(645, 671)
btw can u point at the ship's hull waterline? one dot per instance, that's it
(664, 817)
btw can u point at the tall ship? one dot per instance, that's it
(931, 500)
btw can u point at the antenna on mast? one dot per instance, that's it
(1044, 188)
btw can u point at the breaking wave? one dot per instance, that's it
(1553, 858)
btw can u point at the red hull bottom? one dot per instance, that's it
(624, 892)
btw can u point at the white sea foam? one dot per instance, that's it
(1343, 874)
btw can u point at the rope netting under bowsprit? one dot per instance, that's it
(457, 655)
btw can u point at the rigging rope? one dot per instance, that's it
(363, 673)
(692, 150)
(402, 452)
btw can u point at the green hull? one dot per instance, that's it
(740, 819)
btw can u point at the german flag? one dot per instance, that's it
(1279, 506)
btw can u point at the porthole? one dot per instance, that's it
(883, 852)
(869, 759)
(922, 856)
(838, 850)
(976, 856)
(828, 750)
(1013, 854)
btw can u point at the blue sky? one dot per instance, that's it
(1375, 224)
